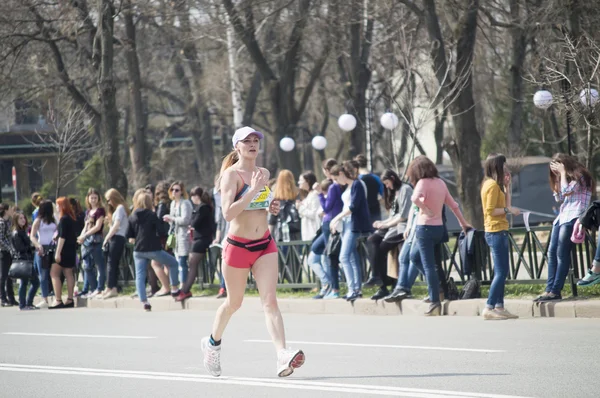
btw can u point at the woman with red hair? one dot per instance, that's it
(65, 255)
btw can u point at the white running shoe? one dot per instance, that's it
(287, 360)
(212, 357)
(42, 305)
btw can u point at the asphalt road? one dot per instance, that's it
(126, 353)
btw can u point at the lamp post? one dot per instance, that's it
(543, 99)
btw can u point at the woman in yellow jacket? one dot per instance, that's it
(495, 197)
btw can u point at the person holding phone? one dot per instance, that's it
(572, 185)
(496, 201)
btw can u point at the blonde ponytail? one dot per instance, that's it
(228, 161)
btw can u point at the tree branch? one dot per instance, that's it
(248, 37)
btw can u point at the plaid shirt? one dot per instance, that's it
(575, 198)
(5, 239)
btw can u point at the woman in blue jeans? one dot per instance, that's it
(430, 195)
(91, 239)
(407, 272)
(42, 237)
(572, 185)
(143, 232)
(356, 222)
(496, 203)
(22, 244)
(332, 205)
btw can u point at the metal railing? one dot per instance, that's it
(528, 254)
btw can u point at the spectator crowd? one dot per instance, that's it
(172, 230)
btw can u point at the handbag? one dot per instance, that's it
(171, 241)
(393, 236)
(48, 257)
(334, 245)
(21, 269)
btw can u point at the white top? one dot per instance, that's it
(121, 215)
(46, 233)
(309, 215)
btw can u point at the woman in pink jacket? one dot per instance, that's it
(429, 195)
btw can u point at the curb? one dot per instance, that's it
(522, 308)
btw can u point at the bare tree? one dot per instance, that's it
(71, 141)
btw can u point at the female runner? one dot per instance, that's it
(244, 199)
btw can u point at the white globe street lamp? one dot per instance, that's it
(347, 122)
(389, 121)
(319, 142)
(287, 144)
(589, 97)
(543, 99)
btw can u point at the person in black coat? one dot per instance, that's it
(203, 229)
(24, 251)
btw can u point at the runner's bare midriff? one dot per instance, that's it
(249, 224)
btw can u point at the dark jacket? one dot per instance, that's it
(22, 245)
(590, 219)
(361, 217)
(162, 210)
(143, 227)
(203, 222)
(467, 251)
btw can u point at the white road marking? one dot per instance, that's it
(364, 389)
(93, 336)
(408, 347)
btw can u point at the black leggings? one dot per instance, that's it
(7, 292)
(116, 245)
(195, 259)
(378, 252)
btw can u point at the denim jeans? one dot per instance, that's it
(43, 275)
(319, 264)
(349, 257)
(422, 256)
(25, 297)
(183, 268)
(559, 256)
(142, 259)
(407, 272)
(498, 243)
(94, 259)
(597, 255)
(320, 244)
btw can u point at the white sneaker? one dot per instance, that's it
(110, 294)
(504, 312)
(287, 360)
(212, 357)
(42, 305)
(492, 315)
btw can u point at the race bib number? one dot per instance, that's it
(261, 200)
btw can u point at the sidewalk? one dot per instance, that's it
(523, 308)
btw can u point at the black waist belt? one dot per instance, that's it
(253, 245)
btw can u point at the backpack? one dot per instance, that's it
(471, 290)
(452, 290)
(289, 215)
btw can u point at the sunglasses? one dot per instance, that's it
(175, 190)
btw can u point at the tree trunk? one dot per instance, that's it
(438, 133)
(465, 149)
(137, 139)
(236, 95)
(519, 46)
(202, 133)
(109, 115)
